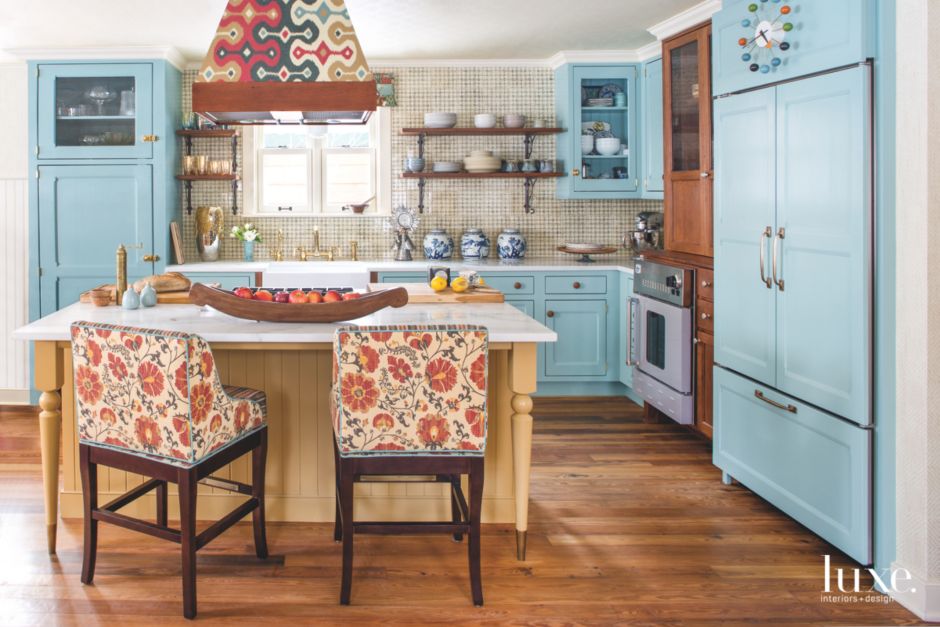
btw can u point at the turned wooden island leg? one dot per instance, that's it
(522, 376)
(48, 378)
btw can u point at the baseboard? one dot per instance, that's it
(14, 397)
(918, 595)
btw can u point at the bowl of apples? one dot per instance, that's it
(296, 304)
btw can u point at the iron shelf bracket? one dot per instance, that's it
(529, 185)
(421, 183)
(421, 138)
(528, 141)
(189, 197)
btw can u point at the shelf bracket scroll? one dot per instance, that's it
(189, 197)
(529, 188)
(528, 141)
(421, 183)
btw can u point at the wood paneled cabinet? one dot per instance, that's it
(687, 142)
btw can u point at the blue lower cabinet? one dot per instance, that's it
(581, 349)
(403, 277)
(525, 306)
(225, 280)
(813, 466)
(626, 292)
(510, 285)
(85, 213)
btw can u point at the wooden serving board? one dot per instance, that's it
(171, 298)
(422, 293)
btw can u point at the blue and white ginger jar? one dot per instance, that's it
(510, 245)
(474, 244)
(438, 245)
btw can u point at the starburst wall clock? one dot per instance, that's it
(768, 29)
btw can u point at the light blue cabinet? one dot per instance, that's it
(593, 175)
(227, 281)
(814, 467)
(78, 202)
(525, 306)
(626, 350)
(825, 35)
(581, 349)
(652, 147)
(403, 277)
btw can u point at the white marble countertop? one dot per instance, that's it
(504, 322)
(619, 263)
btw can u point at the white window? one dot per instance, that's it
(317, 170)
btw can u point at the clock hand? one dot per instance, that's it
(761, 34)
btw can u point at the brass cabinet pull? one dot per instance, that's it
(780, 234)
(151, 258)
(706, 316)
(550, 313)
(770, 401)
(763, 276)
(575, 172)
(576, 285)
(517, 285)
(706, 283)
(150, 138)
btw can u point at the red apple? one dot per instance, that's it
(332, 296)
(297, 296)
(315, 297)
(351, 295)
(244, 292)
(264, 295)
(282, 297)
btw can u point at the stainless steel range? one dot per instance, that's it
(661, 338)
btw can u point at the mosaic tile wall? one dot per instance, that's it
(454, 205)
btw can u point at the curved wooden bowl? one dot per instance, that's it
(232, 305)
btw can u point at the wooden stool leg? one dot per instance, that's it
(454, 507)
(90, 499)
(187, 489)
(337, 525)
(346, 503)
(161, 504)
(475, 504)
(259, 457)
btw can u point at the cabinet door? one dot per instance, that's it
(626, 329)
(687, 136)
(824, 213)
(403, 277)
(525, 306)
(813, 466)
(653, 129)
(745, 166)
(704, 364)
(85, 213)
(95, 111)
(601, 172)
(581, 349)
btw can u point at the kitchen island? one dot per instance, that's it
(292, 364)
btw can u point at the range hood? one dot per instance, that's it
(285, 62)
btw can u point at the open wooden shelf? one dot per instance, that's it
(473, 131)
(207, 177)
(481, 175)
(217, 132)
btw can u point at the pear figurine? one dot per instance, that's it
(148, 296)
(130, 300)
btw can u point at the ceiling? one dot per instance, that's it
(388, 29)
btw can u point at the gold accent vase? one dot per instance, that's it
(210, 222)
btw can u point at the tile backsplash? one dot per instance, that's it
(453, 205)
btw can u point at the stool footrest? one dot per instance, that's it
(227, 521)
(389, 528)
(226, 484)
(132, 495)
(135, 524)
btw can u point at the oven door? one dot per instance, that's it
(664, 342)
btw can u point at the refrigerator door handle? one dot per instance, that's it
(763, 253)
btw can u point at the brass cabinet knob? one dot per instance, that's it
(517, 285)
(576, 285)
(150, 138)
(575, 172)
(151, 258)
(706, 283)
(550, 313)
(706, 316)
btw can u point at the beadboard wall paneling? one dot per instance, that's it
(454, 205)
(14, 255)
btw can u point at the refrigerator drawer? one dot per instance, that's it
(813, 466)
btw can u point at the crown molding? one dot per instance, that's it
(565, 57)
(393, 63)
(701, 12)
(168, 53)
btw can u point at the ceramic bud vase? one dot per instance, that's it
(474, 244)
(249, 250)
(130, 300)
(510, 245)
(438, 245)
(209, 224)
(148, 296)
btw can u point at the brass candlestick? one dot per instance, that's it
(120, 283)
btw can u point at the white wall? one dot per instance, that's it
(14, 246)
(918, 304)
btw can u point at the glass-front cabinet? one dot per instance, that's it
(102, 111)
(597, 106)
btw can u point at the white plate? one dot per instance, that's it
(583, 246)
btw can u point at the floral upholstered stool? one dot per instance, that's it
(410, 401)
(150, 402)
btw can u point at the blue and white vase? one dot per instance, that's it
(249, 250)
(438, 245)
(510, 245)
(474, 244)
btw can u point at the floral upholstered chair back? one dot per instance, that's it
(157, 393)
(410, 390)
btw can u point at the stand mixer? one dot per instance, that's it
(647, 233)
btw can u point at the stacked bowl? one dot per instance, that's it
(440, 120)
(482, 161)
(607, 146)
(513, 120)
(448, 167)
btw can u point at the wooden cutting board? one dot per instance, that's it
(171, 298)
(422, 293)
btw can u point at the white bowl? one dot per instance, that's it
(607, 146)
(513, 120)
(481, 153)
(587, 144)
(484, 120)
(440, 120)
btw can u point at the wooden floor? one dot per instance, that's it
(629, 524)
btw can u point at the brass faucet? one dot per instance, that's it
(278, 253)
(301, 253)
(316, 243)
(354, 250)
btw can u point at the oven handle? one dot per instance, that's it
(631, 323)
(765, 234)
(760, 395)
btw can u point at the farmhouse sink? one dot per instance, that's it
(307, 274)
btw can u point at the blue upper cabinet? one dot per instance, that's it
(804, 36)
(653, 129)
(597, 107)
(95, 111)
